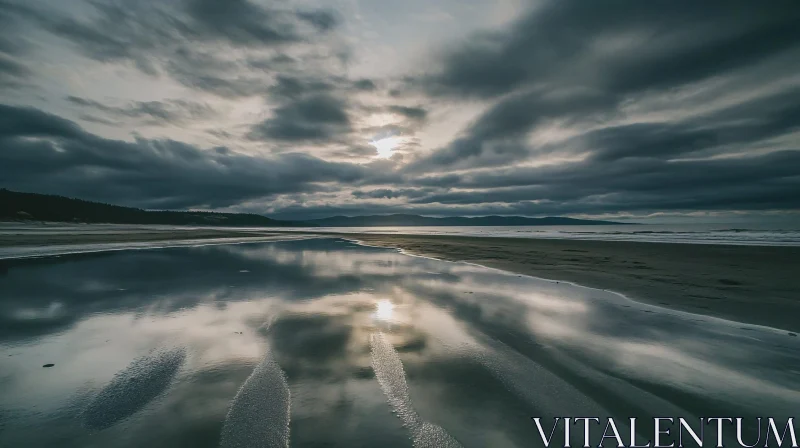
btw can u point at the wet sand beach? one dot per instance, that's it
(46, 235)
(322, 341)
(55, 240)
(749, 284)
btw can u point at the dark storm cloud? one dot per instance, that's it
(271, 63)
(497, 137)
(309, 108)
(322, 20)
(587, 107)
(243, 22)
(153, 112)
(13, 72)
(353, 151)
(317, 117)
(233, 49)
(648, 45)
(579, 61)
(294, 87)
(365, 85)
(99, 120)
(389, 193)
(729, 130)
(168, 36)
(415, 113)
(755, 182)
(120, 29)
(211, 72)
(30, 122)
(44, 153)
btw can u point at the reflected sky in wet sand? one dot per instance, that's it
(326, 343)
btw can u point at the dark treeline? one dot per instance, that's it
(16, 206)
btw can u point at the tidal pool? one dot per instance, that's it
(323, 342)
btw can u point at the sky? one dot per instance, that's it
(306, 109)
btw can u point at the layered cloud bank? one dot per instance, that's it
(551, 107)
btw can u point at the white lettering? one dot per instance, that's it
(683, 424)
(586, 428)
(566, 433)
(659, 432)
(739, 433)
(633, 436)
(719, 428)
(789, 426)
(547, 440)
(613, 427)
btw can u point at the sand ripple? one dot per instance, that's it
(133, 388)
(259, 414)
(392, 378)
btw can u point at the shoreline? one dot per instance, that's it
(746, 284)
(33, 243)
(41, 236)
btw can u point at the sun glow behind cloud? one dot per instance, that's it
(295, 99)
(385, 146)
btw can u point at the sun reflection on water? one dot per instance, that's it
(384, 310)
(338, 319)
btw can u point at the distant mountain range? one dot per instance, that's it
(417, 220)
(16, 206)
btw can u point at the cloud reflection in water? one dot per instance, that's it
(481, 350)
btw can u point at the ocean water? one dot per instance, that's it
(323, 342)
(730, 234)
(784, 234)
